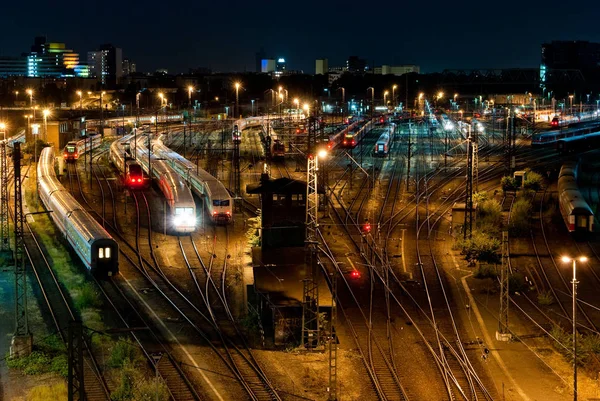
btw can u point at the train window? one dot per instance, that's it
(101, 253)
(217, 202)
(582, 221)
(107, 253)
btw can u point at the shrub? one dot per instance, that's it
(124, 392)
(516, 283)
(87, 296)
(534, 181)
(151, 390)
(481, 247)
(489, 218)
(519, 217)
(486, 271)
(123, 353)
(508, 184)
(545, 298)
(56, 391)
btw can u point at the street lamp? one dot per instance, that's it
(237, 99)
(394, 95)
(567, 259)
(80, 93)
(162, 98)
(296, 103)
(190, 89)
(385, 98)
(46, 113)
(252, 100)
(30, 93)
(571, 100)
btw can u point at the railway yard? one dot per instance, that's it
(177, 262)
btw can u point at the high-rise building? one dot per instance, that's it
(321, 66)
(129, 67)
(356, 64)
(51, 59)
(267, 65)
(280, 65)
(106, 64)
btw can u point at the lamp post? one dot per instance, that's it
(30, 93)
(385, 98)
(101, 117)
(394, 95)
(571, 101)
(237, 100)
(80, 93)
(372, 99)
(190, 89)
(252, 100)
(46, 113)
(16, 96)
(567, 259)
(296, 105)
(35, 130)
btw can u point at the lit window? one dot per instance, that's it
(107, 252)
(101, 253)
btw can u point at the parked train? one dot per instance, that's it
(98, 251)
(278, 149)
(74, 149)
(575, 211)
(216, 198)
(121, 157)
(383, 144)
(551, 137)
(579, 144)
(182, 208)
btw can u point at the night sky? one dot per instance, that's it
(225, 35)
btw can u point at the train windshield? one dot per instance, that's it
(70, 149)
(135, 169)
(217, 202)
(184, 211)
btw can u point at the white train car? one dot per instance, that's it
(182, 208)
(98, 251)
(216, 197)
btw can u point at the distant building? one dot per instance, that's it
(51, 59)
(129, 67)
(280, 65)
(356, 64)
(13, 66)
(397, 69)
(106, 64)
(267, 65)
(321, 66)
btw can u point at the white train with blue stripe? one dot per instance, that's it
(182, 208)
(98, 251)
(216, 197)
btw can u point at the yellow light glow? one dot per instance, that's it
(305, 107)
(80, 93)
(190, 88)
(2, 126)
(386, 93)
(322, 153)
(46, 112)
(394, 87)
(583, 259)
(565, 259)
(237, 85)
(296, 101)
(421, 95)
(29, 92)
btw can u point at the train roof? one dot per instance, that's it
(181, 192)
(85, 223)
(215, 187)
(574, 203)
(580, 138)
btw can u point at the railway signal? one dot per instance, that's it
(366, 228)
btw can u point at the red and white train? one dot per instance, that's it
(74, 149)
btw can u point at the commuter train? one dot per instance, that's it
(236, 135)
(182, 208)
(382, 146)
(551, 137)
(579, 144)
(217, 200)
(98, 251)
(73, 149)
(575, 211)
(131, 172)
(278, 149)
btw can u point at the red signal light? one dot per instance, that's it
(355, 274)
(366, 227)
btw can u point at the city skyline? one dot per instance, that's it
(445, 38)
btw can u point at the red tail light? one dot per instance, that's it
(132, 180)
(355, 274)
(353, 143)
(139, 180)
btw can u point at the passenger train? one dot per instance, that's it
(182, 208)
(98, 251)
(73, 149)
(121, 157)
(383, 144)
(551, 137)
(575, 211)
(216, 197)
